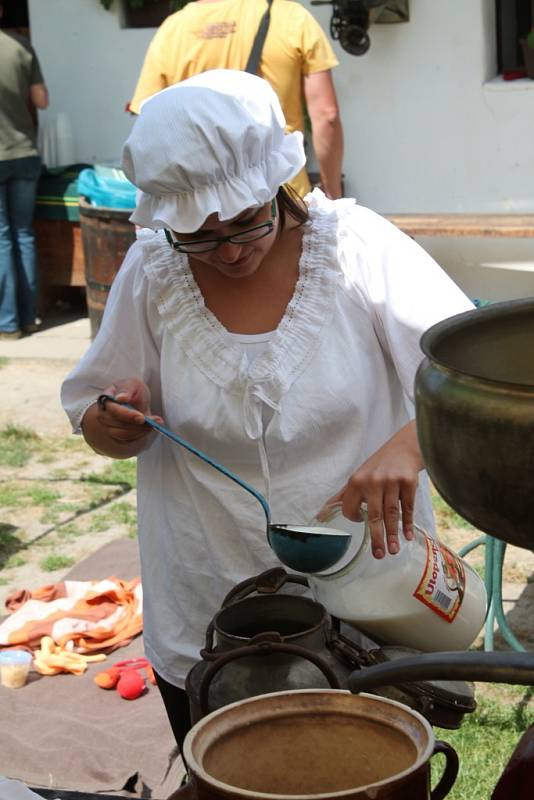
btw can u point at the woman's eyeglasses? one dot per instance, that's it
(242, 237)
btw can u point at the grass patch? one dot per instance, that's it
(10, 543)
(121, 471)
(15, 561)
(13, 494)
(55, 561)
(115, 514)
(70, 531)
(52, 516)
(70, 444)
(17, 445)
(446, 516)
(3, 361)
(485, 742)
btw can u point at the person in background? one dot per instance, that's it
(22, 90)
(296, 60)
(279, 335)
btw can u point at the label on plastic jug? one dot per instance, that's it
(442, 587)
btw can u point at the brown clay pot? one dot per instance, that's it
(314, 744)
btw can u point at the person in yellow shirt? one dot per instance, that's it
(296, 60)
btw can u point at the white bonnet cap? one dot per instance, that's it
(212, 143)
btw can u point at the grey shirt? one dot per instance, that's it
(19, 69)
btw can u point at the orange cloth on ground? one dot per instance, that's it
(98, 615)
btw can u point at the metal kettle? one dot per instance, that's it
(279, 642)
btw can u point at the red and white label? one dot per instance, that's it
(442, 587)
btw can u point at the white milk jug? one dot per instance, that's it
(426, 596)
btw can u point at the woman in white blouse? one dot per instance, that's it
(279, 336)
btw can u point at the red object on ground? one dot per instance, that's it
(108, 678)
(131, 684)
(126, 678)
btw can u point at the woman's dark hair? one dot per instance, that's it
(290, 203)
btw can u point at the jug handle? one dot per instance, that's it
(262, 648)
(450, 773)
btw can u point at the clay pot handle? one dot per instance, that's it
(450, 772)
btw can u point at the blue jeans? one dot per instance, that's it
(18, 260)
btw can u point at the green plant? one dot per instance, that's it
(17, 445)
(12, 494)
(485, 742)
(121, 471)
(10, 543)
(447, 515)
(55, 561)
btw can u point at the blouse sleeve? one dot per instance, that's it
(127, 344)
(404, 290)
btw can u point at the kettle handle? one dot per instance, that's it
(450, 773)
(262, 648)
(267, 582)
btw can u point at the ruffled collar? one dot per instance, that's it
(299, 333)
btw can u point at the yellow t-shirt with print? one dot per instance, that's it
(220, 34)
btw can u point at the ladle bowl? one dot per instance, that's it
(474, 397)
(303, 548)
(310, 549)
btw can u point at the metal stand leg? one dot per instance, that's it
(494, 560)
(499, 549)
(488, 577)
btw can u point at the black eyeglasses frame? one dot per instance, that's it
(182, 247)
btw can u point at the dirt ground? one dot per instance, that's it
(63, 510)
(60, 505)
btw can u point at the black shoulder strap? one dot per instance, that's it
(253, 62)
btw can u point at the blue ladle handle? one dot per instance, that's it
(104, 398)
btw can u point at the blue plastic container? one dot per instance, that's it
(107, 187)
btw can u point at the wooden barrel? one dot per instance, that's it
(107, 234)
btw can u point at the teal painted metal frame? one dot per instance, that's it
(493, 564)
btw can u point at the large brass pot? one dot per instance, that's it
(474, 396)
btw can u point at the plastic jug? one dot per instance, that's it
(426, 596)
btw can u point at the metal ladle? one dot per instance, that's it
(303, 548)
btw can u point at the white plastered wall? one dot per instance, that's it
(428, 125)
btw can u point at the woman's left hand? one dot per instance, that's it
(386, 482)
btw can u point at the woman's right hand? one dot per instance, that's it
(117, 431)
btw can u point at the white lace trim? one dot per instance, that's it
(308, 314)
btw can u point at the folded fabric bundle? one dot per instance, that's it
(98, 615)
